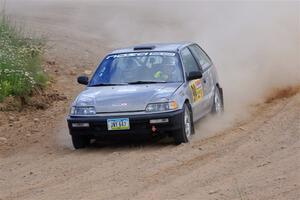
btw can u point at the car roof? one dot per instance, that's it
(173, 47)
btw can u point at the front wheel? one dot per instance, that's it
(80, 142)
(184, 133)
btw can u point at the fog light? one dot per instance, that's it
(159, 121)
(76, 125)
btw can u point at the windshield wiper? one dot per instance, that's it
(107, 84)
(146, 82)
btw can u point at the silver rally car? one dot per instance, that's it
(144, 91)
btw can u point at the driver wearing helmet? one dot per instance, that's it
(165, 70)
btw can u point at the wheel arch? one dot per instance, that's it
(187, 102)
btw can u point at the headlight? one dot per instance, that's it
(83, 110)
(156, 107)
(85, 101)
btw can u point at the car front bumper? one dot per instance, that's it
(139, 125)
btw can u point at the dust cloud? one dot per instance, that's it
(254, 45)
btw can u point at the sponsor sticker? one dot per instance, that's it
(123, 55)
(197, 89)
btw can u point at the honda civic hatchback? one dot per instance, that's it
(145, 91)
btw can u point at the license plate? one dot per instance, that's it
(118, 124)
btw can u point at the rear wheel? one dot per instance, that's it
(218, 105)
(183, 135)
(80, 142)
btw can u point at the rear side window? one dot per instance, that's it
(202, 59)
(189, 62)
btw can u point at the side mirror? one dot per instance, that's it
(84, 80)
(194, 75)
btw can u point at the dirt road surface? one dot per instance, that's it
(252, 152)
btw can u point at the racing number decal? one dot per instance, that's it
(197, 90)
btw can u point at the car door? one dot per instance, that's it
(207, 79)
(195, 89)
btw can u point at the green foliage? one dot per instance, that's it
(20, 62)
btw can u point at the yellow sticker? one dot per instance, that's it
(197, 90)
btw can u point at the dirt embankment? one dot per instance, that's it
(250, 153)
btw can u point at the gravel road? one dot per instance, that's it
(253, 152)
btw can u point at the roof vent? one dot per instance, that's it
(143, 48)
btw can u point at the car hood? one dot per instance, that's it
(125, 97)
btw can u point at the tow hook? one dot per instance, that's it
(154, 130)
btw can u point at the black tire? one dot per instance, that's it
(80, 142)
(218, 104)
(182, 136)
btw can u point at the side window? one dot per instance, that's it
(189, 62)
(202, 59)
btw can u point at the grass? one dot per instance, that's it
(20, 62)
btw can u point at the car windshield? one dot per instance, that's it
(138, 68)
